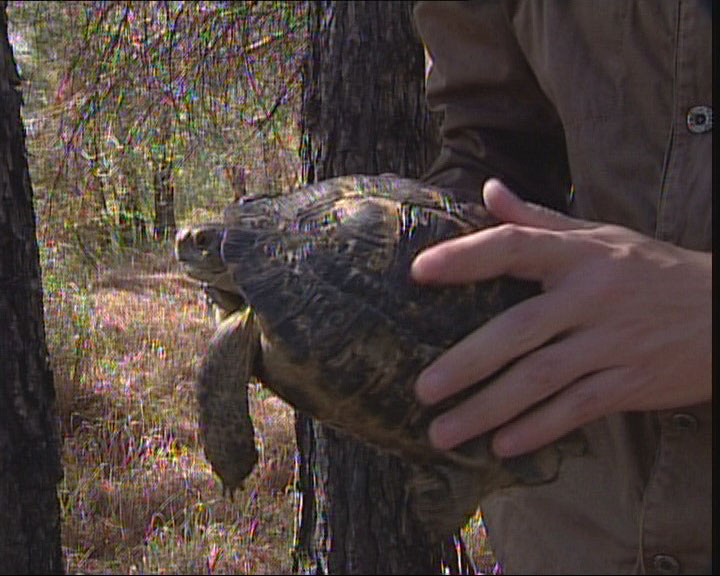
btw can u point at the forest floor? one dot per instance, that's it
(138, 495)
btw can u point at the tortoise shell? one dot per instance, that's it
(345, 329)
(340, 330)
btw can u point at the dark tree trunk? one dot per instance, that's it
(237, 176)
(363, 112)
(363, 107)
(131, 224)
(164, 201)
(29, 443)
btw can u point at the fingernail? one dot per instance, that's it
(428, 386)
(418, 268)
(495, 183)
(440, 433)
(504, 445)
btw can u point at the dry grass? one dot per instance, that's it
(138, 495)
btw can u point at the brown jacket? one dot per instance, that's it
(602, 109)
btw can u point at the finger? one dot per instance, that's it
(512, 334)
(519, 251)
(586, 400)
(529, 381)
(507, 207)
(531, 244)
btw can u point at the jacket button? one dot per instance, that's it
(666, 564)
(700, 119)
(685, 422)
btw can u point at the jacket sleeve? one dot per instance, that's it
(497, 120)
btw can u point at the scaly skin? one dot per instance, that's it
(226, 428)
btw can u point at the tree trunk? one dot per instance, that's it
(164, 200)
(237, 176)
(29, 443)
(131, 224)
(363, 112)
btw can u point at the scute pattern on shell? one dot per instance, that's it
(343, 331)
(326, 270)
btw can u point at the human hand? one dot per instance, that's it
(624, 323)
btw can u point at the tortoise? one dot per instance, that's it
(320, 307)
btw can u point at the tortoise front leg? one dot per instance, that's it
(226, 429)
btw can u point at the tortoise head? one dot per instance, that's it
(197, 248)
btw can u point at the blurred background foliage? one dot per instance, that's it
(143, 114)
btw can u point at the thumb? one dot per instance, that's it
(507, 207)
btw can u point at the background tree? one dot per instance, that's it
(29, 448)
(363, 111)
(147, 104)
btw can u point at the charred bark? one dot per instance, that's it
(29, 441)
